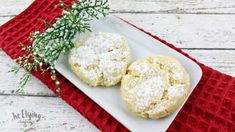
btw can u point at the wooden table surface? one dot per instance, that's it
(203, 28)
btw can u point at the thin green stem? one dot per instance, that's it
(48, 45)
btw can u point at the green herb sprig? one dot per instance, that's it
(48, 45)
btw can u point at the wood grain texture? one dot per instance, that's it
(53, 115)
(184, 30)
(203, 28)
(187, 30)
(4, 19)
(13, 7)
(174, 6)
(9, 81)
(221, 60)
(141, 6)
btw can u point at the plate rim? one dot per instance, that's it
(150, 36)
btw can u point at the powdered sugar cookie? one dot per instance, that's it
(154, 87)
(100, 59)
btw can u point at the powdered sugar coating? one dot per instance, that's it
(154, 87)
(100, 59)
(155, 90)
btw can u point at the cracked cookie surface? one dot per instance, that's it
(154, 87)
(100, 59)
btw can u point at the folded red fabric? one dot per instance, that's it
(211, 106)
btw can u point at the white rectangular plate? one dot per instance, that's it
(141, 46)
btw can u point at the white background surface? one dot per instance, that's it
(109, 98)
(203, 28)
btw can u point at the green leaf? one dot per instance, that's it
(48, 45)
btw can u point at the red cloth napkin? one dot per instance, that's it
(211, 106)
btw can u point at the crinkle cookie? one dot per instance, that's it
(154, 87)
(100, 59)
